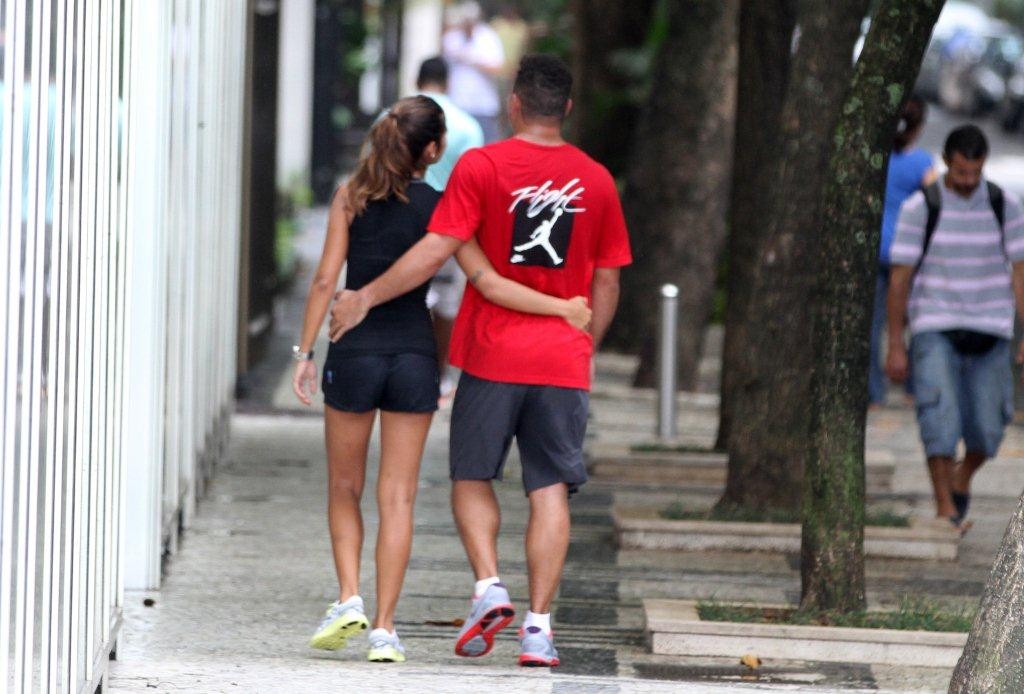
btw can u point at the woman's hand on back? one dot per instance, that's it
(304, 381)
(578, 313)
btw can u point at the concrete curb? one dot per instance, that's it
(622, 393)
(673, 627)
(618, 463)
(642, 528)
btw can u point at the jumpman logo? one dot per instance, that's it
(541, 236)
(543, 222)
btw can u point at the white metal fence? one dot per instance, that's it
(121, 125)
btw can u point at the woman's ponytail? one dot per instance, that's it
(912, 117)
(393, 150)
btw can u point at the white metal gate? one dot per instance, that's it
(121, 127)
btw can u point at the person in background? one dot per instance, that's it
(514, 33)
(464, 133)
(957, 273)
(476, 60)
(910, 169)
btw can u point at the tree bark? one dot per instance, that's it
(832, 552)
(765, 40)
(770, 424)
(677, 189)
(993, 659)
(607, 108)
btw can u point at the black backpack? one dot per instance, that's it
(933, 200)
(967, 342)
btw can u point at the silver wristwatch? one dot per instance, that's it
(299, 355)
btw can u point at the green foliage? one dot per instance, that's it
(1010, 10)
(734, 514)
(638, 63)
(556, 17)
(294, 197)
(912, 614)
(285, 230)
(742, 514)
(886, 518)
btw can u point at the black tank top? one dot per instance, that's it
(377, 238)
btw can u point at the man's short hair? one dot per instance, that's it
(543, 85)
(433, 71)
(968, 141)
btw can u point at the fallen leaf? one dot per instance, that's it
(457, 622)
(751, 661)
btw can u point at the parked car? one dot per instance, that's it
(958, 19)
(976, 66)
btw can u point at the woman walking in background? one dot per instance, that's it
(910, 169)
(388, 362)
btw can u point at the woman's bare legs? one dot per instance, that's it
(347, 435)
(402, 436)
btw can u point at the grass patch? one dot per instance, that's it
(666, 448)
(912, 614)
(740, 514)
(886, 519)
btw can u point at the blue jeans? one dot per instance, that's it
(876, 366)
(959, 396)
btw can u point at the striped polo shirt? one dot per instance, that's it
(964, 282)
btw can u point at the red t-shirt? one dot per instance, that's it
(545, 216)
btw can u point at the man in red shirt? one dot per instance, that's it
(548, 217)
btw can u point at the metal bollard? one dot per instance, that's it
(667, 363)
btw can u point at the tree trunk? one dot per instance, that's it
(832, 552)
(765, 38)
(677, 188)
(605, 34)
(993, 659)
(770, 425)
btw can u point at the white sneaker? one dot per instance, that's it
(385, 647)
(342, 620)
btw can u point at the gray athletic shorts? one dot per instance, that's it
(547, 422)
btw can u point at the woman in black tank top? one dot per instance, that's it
(388, 362)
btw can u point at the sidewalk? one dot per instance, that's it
(254, 572)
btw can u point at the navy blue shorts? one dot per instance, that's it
(547, 422)
(390, 382)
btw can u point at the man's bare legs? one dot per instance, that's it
(941, 470)
(965, 469)
(402, 438)
(547, 543)
(478, 518)
(347, 435)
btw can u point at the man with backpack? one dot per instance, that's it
(957, 273)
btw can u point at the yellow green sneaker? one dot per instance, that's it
(385, 647)
(342, 620)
